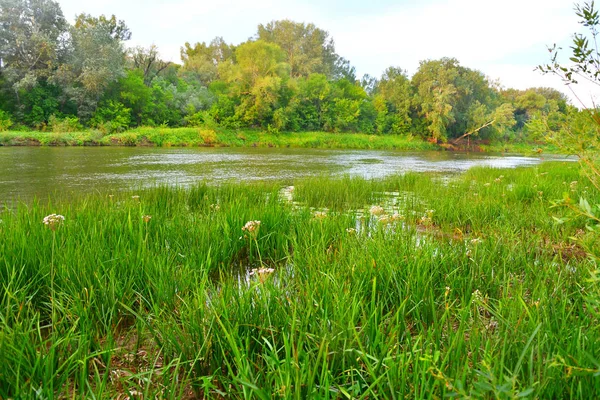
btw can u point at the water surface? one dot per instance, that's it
(28, 172)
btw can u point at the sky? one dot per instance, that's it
(504, 39)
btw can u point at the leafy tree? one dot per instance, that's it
(257, 60)
(40, 103)
(394, 96)
(135, 95)
(305, 46)
(369, 84)
(314, 99)
(31, 44)
(96, 60)
(202, 60)
(437, 95)
(257, 106)
(148, 61)
(117, 29)
(453, 99)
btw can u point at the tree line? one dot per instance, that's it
(288, 77)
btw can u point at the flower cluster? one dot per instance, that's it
(53, 221)
(573, 186)
(262, 273)
(146, 218)
(376, 210)
(251, 228)
(427, 219)
(320, 215)
(215, 207)
(476, 296)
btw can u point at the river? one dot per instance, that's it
(28, 172)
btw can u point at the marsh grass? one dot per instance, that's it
(488, 298)
(214, 137)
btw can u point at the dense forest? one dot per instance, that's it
(58, 76)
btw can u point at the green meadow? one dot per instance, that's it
(413, 286)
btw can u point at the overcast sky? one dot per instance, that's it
(504, 39)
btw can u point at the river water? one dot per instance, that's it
(28, 172)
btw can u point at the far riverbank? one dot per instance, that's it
(205, 137)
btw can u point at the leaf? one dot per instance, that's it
(525, 393)
(585, 206)
(559, 221)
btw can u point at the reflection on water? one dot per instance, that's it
(27, 172)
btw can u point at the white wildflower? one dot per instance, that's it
(262, 273)
(53, 221)
(476, 296)
(319, 215)
(376, 210)
(252, 228)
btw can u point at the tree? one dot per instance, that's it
(148, 61)
(117, 29)
(394, 95)
(452, 98)
(202, 61)
(436, 95)
(31, 42)
(96, 59)
(305, 46)
(256, 60)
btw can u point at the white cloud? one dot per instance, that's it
(464, 29)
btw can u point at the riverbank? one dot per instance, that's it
(407, 287)
(195, 137)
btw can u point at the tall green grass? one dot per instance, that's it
(204, 136)
(488, 298)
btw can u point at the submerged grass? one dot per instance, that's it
(474, 291)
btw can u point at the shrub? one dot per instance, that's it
(111, 117)
(5, 121)
(209, 136)
(67, 124)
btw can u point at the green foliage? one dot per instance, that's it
(111, 117)
(136, 96)
(66, 124)
(393, 102)
(288, 77)
(39, 103)
(206, 62)
(307, 48)
(30, 41)
(5, 121)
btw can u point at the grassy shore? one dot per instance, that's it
(460, 287)
(165, 137)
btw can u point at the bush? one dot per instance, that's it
(111, 117)
(5, 121)
(67, 124)
(209, 136)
